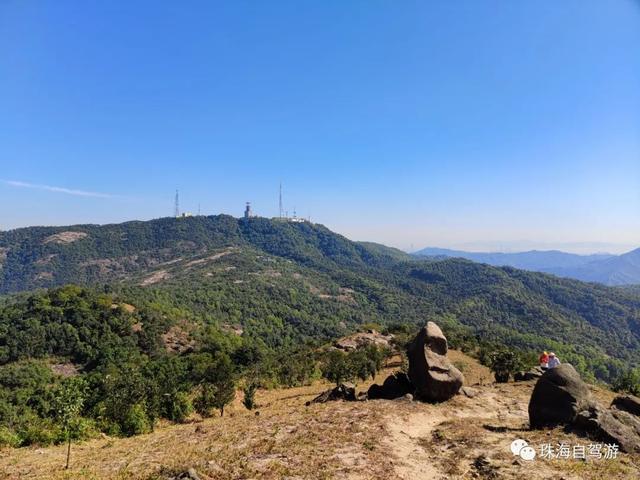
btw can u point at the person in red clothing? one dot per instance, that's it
(544, 360)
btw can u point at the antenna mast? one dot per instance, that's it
(281, 200)
(176, 207)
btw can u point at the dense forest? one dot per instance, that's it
(171, 315)
(284, 283)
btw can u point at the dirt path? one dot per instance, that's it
(418, 433)
(470, 438)
(412, 460)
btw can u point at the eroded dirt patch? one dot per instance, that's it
(64, 238)
(155, 277)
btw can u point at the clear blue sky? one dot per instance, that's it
(490, 124)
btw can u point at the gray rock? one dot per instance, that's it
(433, 376)
(405, 398)
(344, 391)
(611, 426)
(534, 373)
(190, 474)
(435, 339)
(557, 397)
(394, 386)
(628, 403)
(469, 392)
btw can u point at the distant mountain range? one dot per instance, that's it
(612, 270)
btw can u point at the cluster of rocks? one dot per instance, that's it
(560, 397)
(431, 376)
(344, 391)
(363, 339)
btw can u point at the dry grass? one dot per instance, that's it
(463, 438)
(474, 372)
(286, 439)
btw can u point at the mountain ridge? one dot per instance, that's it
(283, 283)
(608, 269)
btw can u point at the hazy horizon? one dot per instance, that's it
(497, 125)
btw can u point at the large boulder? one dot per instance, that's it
(557, 397)
(611, 426)
(432, 375)
(394, 386)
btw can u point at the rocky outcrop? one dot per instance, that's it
(534, 373)
(432, 375)
(395, 386)
(344, 391)
(611, 426)
(628, 403)
(560, 397)
(557, 397)
(363, 339)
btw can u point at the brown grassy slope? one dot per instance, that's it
(357, 440)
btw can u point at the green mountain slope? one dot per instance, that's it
(284, 283)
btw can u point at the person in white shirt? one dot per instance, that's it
(553, 360)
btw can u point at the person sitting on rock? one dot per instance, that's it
(553, 360)
(544, 360)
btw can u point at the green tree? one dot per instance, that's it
(628, 382)
(127, 400)
(338, 367)
(68, 401)
(216, 382)
(249, 390)
(504, 363)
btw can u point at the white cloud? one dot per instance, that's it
(49, 188)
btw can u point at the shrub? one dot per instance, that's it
(628, 382)
(9, 438)
(250, 395)
(136, 421)
(179, 407)
(504, 363)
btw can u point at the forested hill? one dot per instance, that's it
(282, 284)
(37, 257)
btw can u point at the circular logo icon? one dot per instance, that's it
(518, 445)
(527, 453)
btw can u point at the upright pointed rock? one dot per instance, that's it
(433, 376)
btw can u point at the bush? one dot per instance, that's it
(179, 407)
(40, 433)
(136, 421)
(9, 438)
(250, 395)
(340, 367)
(628, 382)
(504, 363)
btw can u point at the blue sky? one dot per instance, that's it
(485, 124)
